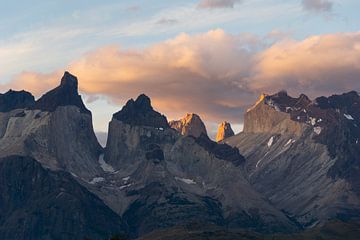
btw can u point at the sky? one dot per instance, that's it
(210, 57)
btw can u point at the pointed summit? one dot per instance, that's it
(66, 94)
(141, 113)
(15, 100)
(224, 131)
(191, 124)
(69, 81)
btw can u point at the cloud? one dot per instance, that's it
(208, 4)
(214, 74)
(318, 65)
(317, 5)
(166, 21)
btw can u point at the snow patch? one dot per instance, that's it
(317, 130)
(291, 141)
(125, 179)
(348, 116)
(270, 142)
(185, 180)
(97, 180)
(125, 186)
(312, 121)
(105, 167)
(258, 162)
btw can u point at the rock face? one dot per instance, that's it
(301, 167)
(15, 100)
(141, 113)
(191, 124)
(163, 179)
(58, 135)
(66, 94)
(224, 131)
(303, 155)
(36, 203)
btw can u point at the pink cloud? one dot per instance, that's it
(214, 74)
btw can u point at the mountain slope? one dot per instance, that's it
(36, 203)
(296, 149)
(165, 179)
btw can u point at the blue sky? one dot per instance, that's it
(45, 36)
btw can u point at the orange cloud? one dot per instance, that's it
(214, 74)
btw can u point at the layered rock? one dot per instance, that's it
(224, 131)
(57, 131)
(303, 155)
(37, 203)
(191, 125)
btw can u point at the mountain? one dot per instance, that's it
(56, 130)
(191, 124)
(294, 168)
(303, 155)
(224, 131)
(166, 179)
(37, 204)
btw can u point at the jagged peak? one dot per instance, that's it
(140, 112)
(260, 99)
(16, 100)
(66, 94)
(344, 100)
(224, 131)
(190, 124)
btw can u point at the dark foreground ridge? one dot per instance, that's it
(36, 203)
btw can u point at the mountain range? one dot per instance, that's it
(292, 172)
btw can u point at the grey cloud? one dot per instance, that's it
(167, 21)
(214, 74)
(317, 5)
(208, 4)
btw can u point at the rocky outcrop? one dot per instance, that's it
(40, 204)
(224, 131)
(297, 150)
(58, 135)
(191, 124)
(141, 113)
(66, 94)
(16, 100)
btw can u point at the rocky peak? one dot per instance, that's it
(191, 124)
(66, 94)
(224, 131)
(69, 81)
(141, 113)
(15, 100)
(333, 121)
